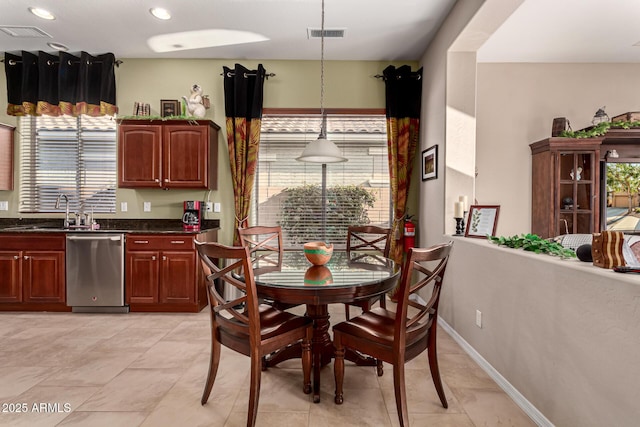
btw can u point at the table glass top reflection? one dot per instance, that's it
(295, 271)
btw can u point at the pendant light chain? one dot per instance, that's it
(322, 150)
(323, 126)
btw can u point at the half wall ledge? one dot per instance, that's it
(563, 333)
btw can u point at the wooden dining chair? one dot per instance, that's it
(365, 240)
(264, 244)
(398, 337)
(266, 248)
(244, 325)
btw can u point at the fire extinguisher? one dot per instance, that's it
(409, 233)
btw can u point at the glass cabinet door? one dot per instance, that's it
(575, 192)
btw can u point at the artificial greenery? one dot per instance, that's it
(600, 129)
(533, 243)
(159, 118)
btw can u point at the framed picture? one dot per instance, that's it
(169, 107)
(430, 163)
(482, 221)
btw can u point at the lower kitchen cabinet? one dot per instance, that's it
(43, 277)
(174, 289)
(142, 274)
(32, 272)
(163, 274)
(10, 277)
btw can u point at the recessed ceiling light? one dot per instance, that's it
(199, 39)
(41, 13)
(57, 46)
(160, 13)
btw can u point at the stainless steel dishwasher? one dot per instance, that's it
(95, 272)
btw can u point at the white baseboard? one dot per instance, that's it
(533, 413)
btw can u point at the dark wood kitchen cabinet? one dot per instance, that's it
(163, 273)
(32, 272)
(168, 154)
(565, 186)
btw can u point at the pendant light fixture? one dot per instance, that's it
(322, 150)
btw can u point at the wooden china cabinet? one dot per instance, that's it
(167, 154)
(565, 186)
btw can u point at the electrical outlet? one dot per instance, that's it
(209, 207)
(146, 206)
(123, 206)
(216, 207)
(4, 205)
(478, 318)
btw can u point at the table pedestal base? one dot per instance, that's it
(321, 348)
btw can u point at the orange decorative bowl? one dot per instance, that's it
(318, 275)
(318, 253)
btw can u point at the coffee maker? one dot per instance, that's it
(193, 215)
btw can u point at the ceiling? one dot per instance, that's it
(567, 31)
(375, 29)
(381, 30)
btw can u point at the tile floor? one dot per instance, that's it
(147, 369)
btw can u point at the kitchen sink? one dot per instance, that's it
(44, 226)
(58, 228)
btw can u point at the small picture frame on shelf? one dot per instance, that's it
(482, 221)
(169, 107)
(430, 163)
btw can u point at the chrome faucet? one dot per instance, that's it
(66, 215)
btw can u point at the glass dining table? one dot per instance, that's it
(292, 280)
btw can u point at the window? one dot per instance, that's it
(75, 156)
(288, 192)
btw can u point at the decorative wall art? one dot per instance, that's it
(430, 163)
(482, 221)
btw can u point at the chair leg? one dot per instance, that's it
(214, 362)
(254, 389)
(338, 368)
(400, 392)
(435, 373)
(306, 361)
(379, 368)
(346, 311)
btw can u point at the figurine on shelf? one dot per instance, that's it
(567, 203)
(195, 105)
(578, 175)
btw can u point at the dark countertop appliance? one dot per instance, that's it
(193, 215)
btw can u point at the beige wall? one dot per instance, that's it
(516, 106)
(348, 84)
(564, 333)
(437, 196)
(534, 307)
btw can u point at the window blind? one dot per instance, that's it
(75, 156)
(288, 192)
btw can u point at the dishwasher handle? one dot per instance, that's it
(112, 238)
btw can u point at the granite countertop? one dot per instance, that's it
(141, 226)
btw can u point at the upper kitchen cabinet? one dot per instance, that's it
(168, 154)
(6, 157)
